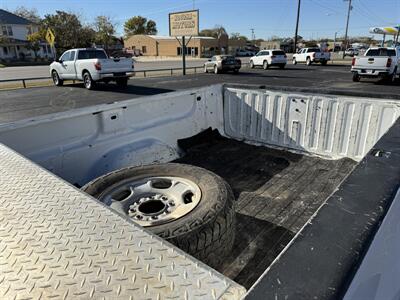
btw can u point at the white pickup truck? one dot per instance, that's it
(310, 55)
(377, 63)
(90, 66)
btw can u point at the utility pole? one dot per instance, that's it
(347, 27)
(334, 42)
(297, 26)
(253, 37)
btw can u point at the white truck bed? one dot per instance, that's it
(62, 243)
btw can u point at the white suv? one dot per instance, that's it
(267, 58)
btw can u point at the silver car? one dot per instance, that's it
(222, 63)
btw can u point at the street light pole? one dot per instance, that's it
(297, 25)
(347, 27)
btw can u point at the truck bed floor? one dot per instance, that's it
(277, 192)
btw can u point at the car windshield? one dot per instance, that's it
(89, 54)
(227, 57)
(278, 52)
(381, 52)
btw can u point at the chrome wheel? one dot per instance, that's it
(87, 81)
(153, 200)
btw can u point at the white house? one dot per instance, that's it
(13, 38)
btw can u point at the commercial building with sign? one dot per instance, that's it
(199, 46)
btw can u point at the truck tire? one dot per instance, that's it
(356, 77)
(56, 79)
(393, 76)
(206, 230)
(251, 64)
(324, 62)
(294, 61)
(216, 71)
(88, 81)
(308, 61)
(122, 82)
(265, 65)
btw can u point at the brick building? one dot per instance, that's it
(199, 46)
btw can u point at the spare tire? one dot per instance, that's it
(188, 206)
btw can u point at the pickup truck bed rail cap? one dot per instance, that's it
(323, 91)
(59, 243)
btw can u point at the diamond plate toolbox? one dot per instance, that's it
(58, 243)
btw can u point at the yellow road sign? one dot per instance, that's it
(50, 37)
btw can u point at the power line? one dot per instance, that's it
(371, 13)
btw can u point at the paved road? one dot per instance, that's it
(28, 103)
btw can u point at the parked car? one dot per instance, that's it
(267, 58)
(311, 55)
(222, 63)
(242, 52)
(377, 63)
(351, 52)
(90, 65)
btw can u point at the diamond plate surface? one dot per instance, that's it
(58, 243)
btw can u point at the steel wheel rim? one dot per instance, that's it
(153, 200)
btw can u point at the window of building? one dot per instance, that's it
(178, 51)
(44, 49)
(5, 50)
(7, 30)
(144, 49)
(29, 29)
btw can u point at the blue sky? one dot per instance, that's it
(319, 18)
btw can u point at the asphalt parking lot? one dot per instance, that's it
(29, 103)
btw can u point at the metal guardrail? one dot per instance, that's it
(144, 72)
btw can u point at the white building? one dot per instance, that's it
(13, 38)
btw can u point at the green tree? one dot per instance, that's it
(238, 36)
(215, 32)
(29, 14)
(68, 30)
(139, 25)
(34, 40)
(105, 30)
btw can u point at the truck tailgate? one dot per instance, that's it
(371, 62)
(116, 65)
